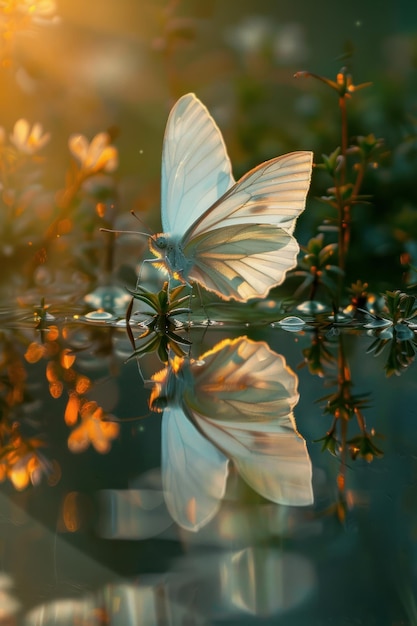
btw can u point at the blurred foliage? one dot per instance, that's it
(119, 89)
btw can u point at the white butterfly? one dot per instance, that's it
(234, 239)
(235, 403)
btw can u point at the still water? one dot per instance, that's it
(202, 495)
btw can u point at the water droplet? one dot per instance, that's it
(99, 316)
(292, 323)
(110, 298)
(312, 307)
(378, 323)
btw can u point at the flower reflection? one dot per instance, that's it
(94, 429)
(90, 425)
(21, 462)
(235, 402)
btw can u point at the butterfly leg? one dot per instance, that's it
(200, 295)
(149, 263)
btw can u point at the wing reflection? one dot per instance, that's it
(236, 403)
(265, 581)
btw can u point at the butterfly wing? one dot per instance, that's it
(243, 402)
(196, 170)
(194, 472)
(272, 193)
(241, 261)
(242, 246)
(272, 459)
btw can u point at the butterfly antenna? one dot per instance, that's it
(127, 232)
(140, 220)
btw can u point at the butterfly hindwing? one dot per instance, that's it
(241, 261)
(196, 169)
(272, 458)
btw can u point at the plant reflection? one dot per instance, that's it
(395, 328)
(95, 428)
(343, 405)
(235, 402)
(323, 357)
(161, 325)
(89, 422)
(21, 459)
(67, 353)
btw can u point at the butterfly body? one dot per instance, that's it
(170, 384)
(170, 255)
(233, 238)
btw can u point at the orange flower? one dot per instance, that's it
(97, 156)
(26, 139)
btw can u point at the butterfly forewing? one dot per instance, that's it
(194, 472)
(272, 193)
(196, 169)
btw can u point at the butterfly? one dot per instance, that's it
(232, 238)
(233, 403)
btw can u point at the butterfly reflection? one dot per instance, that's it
(234, 403)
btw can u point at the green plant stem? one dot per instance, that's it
(343, 208)
(361, 420)
(343, 112)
